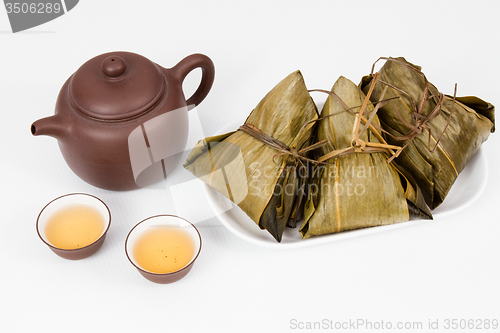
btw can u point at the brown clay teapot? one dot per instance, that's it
(121, 120)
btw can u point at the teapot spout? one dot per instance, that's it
(51, 126)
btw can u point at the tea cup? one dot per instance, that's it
(56, 206)
(166, 225)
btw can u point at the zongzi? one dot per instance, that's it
(356, 187)
(439, 133)
(262, 166)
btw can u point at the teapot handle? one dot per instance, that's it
(186, 65)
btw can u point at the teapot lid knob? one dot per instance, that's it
(113, 66)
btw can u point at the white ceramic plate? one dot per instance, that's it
(467, 188)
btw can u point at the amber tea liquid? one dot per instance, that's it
(74, 226)
(163, 249)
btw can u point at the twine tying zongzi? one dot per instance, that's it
(297, 155)
(420, 121)
(358, 145)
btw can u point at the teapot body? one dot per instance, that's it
(133, 151)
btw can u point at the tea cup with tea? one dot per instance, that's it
(74, 225)
(163, 248)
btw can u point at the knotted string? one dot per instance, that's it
(419, 120)
(358, 145)
(297, 155)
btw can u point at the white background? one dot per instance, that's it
(444, 269)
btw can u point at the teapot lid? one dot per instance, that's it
(116, 86)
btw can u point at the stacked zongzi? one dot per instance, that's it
(380, 153)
